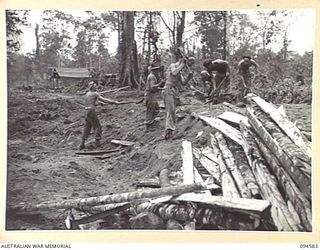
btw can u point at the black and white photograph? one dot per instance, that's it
(159, 120)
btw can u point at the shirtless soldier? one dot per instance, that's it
(220, 80)
(245, 75)
(91, 118)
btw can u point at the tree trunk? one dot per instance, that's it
(222, 215)
(229, 188)
(296, 174)
(245, 170)
(279, 211)
(128, 62)
(37, 54)
(180, 28)
(298, 200)
(233, 168)
(280, 117)
(108, 199)
(225, 36)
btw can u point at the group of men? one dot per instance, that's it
(216, 75)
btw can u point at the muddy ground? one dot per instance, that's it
(44, 132)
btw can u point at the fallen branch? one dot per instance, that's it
(101, 152)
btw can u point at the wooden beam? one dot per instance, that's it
(187, 163)
(234, 118)
(208, 160)
(229, 188)
(224, 128)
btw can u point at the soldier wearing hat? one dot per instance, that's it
(151, 92)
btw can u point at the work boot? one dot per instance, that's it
(97, 143)
(82, 146)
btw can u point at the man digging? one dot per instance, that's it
(171, 91)
(91, 118)
(245, 75)
(220, 80)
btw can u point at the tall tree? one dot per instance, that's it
(212, 29)
(127, 47)
(14, 21)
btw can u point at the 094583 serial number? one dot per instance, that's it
(308, 246)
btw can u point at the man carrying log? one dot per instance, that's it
(245, 75)
(152, 88)
(220, 79)
(91, 118)
(172, 87)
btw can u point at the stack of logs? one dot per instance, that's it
(254, 175)
(278, 165)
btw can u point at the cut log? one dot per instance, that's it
(279, 211)
(187, 163)
(100, 215)
(164, 178)
(298, 200)
(245, 169)
(280, 117)
(223, 127)
(234, 118)
(297, 156)
(225, 219)
(208, 160)
(231, 165)
(248, 206)
(108, 199)
(123, 143)
(229, 188)
(101, 152)
(302, 180)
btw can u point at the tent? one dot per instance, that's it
(73, 72)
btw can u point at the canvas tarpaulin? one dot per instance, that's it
(73, 72)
